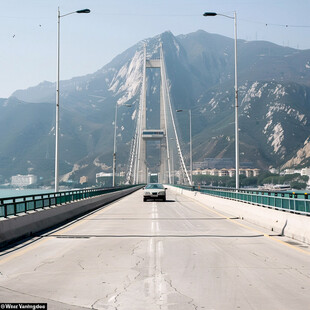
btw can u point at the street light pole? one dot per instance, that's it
(190, 144)
(57, 95)
(114, 142)
(236, 107)
(57, 104)
(236, 93)
(114, 147)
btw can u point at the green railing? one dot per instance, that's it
(296, 202)
(13, 205)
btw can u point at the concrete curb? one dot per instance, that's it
(291, 225)
(27, 224)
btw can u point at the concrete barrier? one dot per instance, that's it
(27, 224)
(291, 225)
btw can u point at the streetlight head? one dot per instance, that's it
(83, 11)
(179, 110)
(209, 14)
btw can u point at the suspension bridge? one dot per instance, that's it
(171, 162)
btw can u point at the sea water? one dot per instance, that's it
(5, 193)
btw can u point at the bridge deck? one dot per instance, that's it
(158, 255)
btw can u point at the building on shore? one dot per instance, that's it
(305, 171)
(23, 180)
(220, 163)
(227, 172)
(104, 178)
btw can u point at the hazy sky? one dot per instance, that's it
(28, 31)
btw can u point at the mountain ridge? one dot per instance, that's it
(274, 100)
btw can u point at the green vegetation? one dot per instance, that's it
(295, 180)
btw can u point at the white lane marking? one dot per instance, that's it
(161, 288)
(156, 217)
(156, 278)
(151, 255)
(153, 228)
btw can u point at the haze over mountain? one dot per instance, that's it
(274, 99)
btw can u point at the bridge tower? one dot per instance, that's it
(159, 134)
(166, 134)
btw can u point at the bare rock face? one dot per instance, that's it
(301, 156)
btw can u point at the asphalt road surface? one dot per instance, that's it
(178, 254)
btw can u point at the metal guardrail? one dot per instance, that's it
(295, 202)
(14, 205)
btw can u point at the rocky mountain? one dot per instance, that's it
(274, 89)
(273, 122)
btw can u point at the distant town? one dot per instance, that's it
(213, 169)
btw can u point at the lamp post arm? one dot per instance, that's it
(67, 14)
(231, 17)
(79, 12)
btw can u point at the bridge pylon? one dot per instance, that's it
(166, 134)
(159, 134)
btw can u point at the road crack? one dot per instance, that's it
(43, 264)
(80, 265)
(191, 300)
